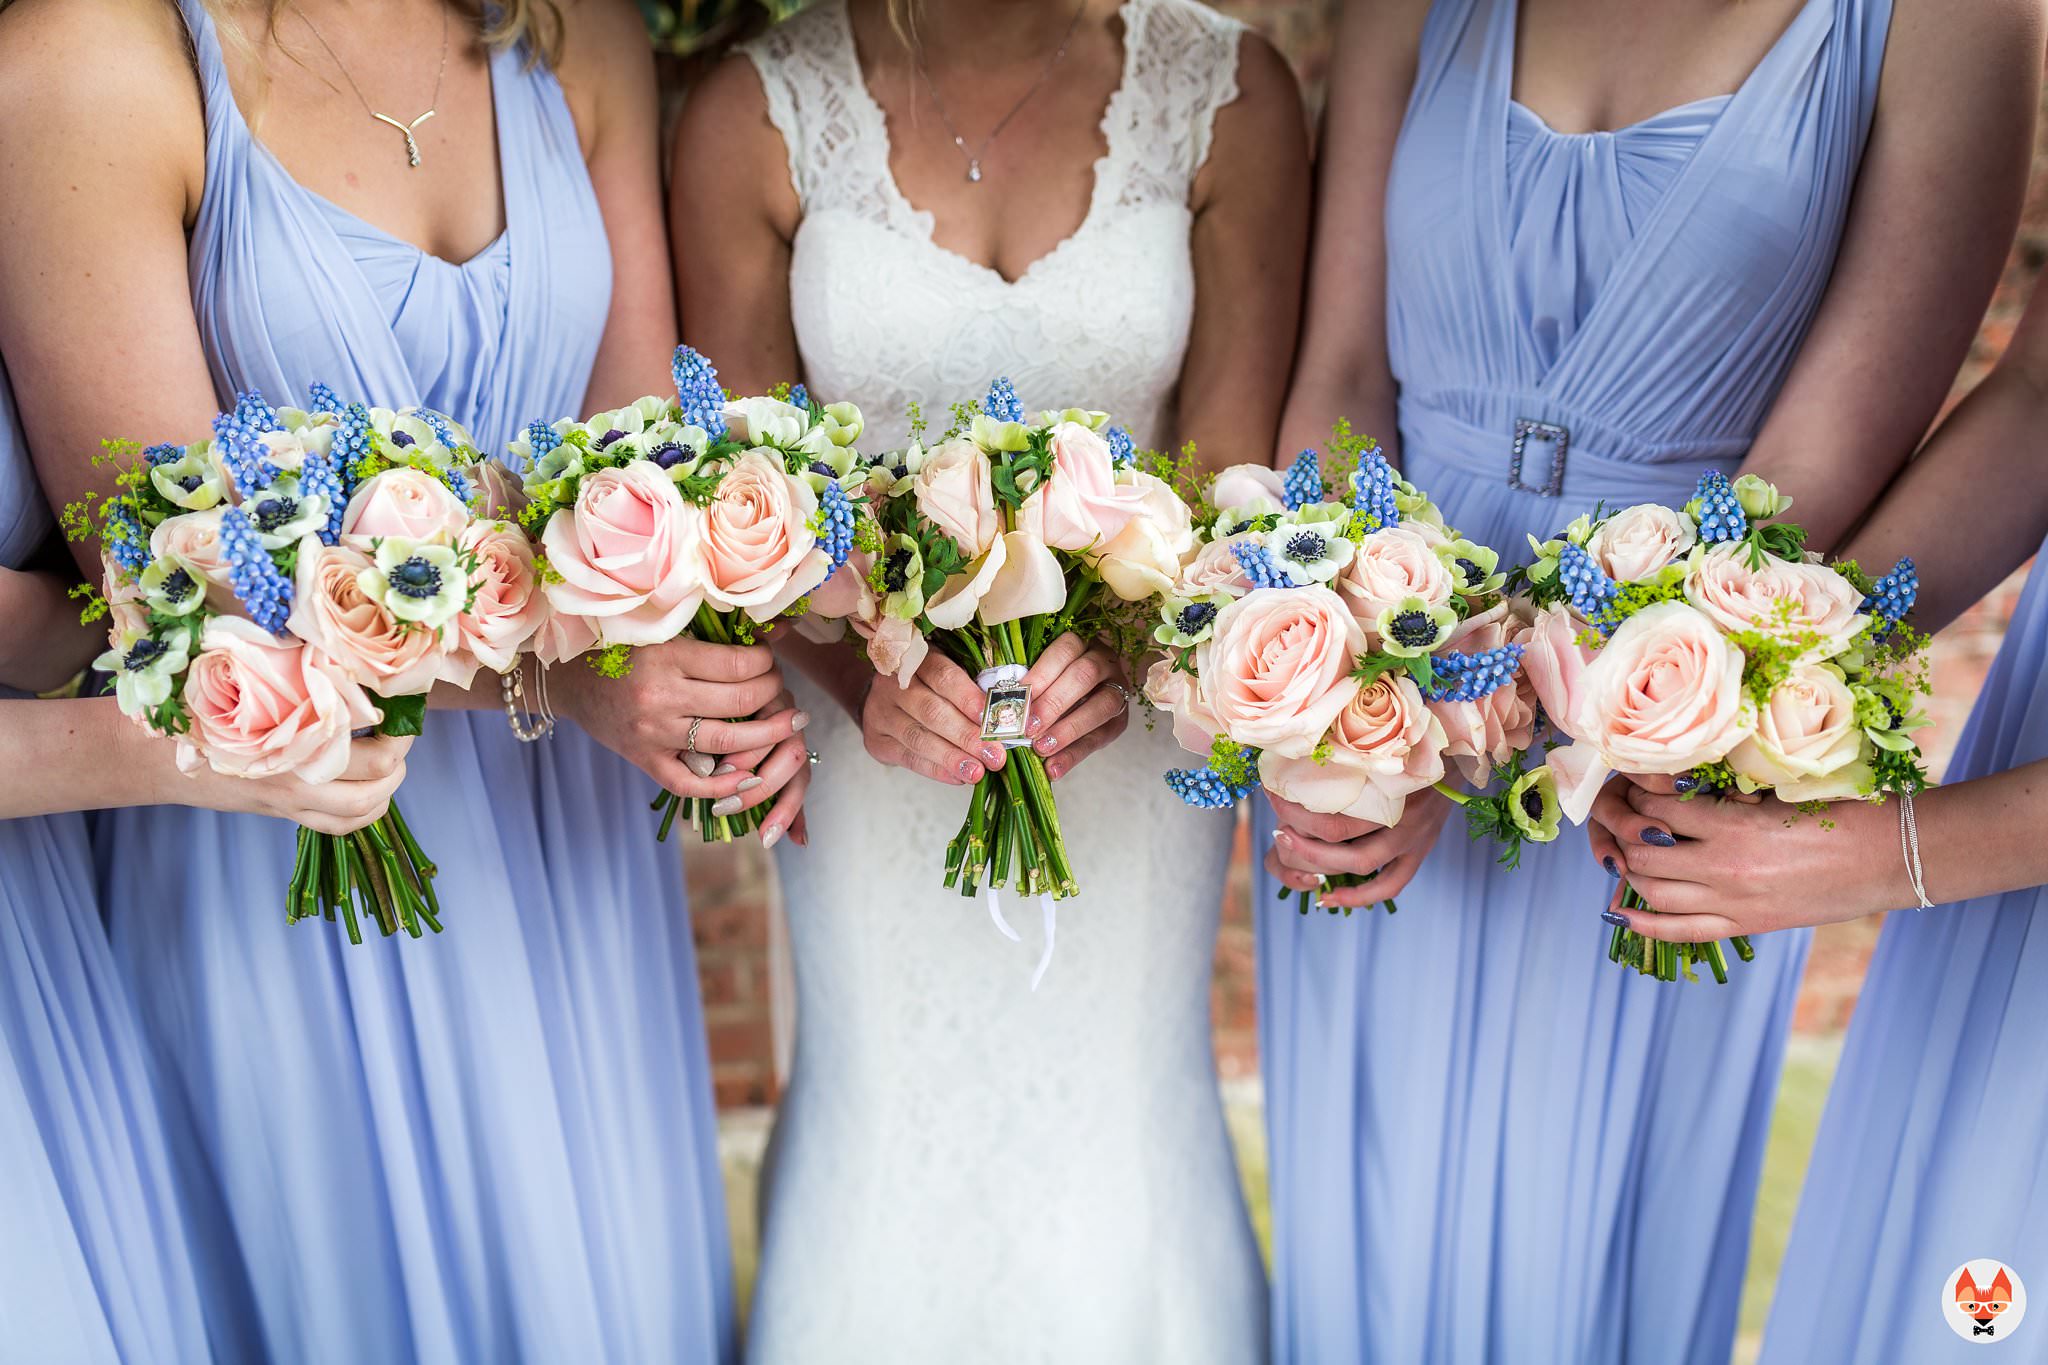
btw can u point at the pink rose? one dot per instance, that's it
(406, 503)
(126, 614)
(261, 706)
(630, 554)
(503, 494)
(1664, 695)
(895, 647)
(1018, 577)
(562, 637)
(1483, 733)
(1278, 668)
(1384, 745)
(839, 596)
(507, 607)
(1078, 507)
(1248, 486)
(1179, 693)
(333, 615)
(1555, 662)
(288, 449)
(1807, 744)
(1790, 602)
(1391, 565)
(955, 492)
(760, 553)
(1638, 541)
(1215, 569)
(193, 538)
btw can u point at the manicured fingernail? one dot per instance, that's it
(1612, 870)
(700, 764)
(969, 769)
(1615, 918)
(747, 784)
(799, 721)
(770, 835)
(1055, 771)
(1685, 784)
(991, 754)
(726, 805)
(1046, 744)
(1283, 838)
(721, 770)
(1662, 838)
(1036, 724)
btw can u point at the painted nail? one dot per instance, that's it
(1036, 724)
(1615, 918)
(991, 755)
(969, 770)
(726, 805)
(770, 835)
(1685, 783)
(747, 784)
(1283, 838)
(799, 721)
(1055, 771)
(1662, 838)
(700, 764)
(1612, 870)
(721, 770)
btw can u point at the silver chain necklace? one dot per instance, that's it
(412, 147)
(974, 157)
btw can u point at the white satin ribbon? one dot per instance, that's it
(989, 679)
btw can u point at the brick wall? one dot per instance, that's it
(731, 891)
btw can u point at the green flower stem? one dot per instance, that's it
(1462, 798)
(1668, 961)
(373, 877)
(299, 893)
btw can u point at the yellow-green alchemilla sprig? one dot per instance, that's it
(1187, 621)
(1310, 544)
(422, 585)
(1412, 628)
(193, 482)
(145, 668)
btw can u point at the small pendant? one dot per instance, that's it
(974, 172)
(412, 151)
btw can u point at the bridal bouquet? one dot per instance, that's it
(296, 582)
(688, 516)
(1340, 655)
(1005, 534)
(1708, 643)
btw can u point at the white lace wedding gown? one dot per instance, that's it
(964, 1170)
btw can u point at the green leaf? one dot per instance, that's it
(402, 715)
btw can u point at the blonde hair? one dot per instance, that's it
(903, 15)
(535, 23)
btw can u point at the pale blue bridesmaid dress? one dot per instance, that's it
(1933, 1150)
(1489, 1143)
(495, 1144)
(94, 1265)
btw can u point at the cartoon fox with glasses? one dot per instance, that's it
(1982, 1306)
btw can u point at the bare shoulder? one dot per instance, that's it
(1935, 41)
(598, 33)
(606, 69)
(1260, 137)
(104, 85)
(1266, 86)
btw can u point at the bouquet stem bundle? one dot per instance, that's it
(1669, 961)
(380, 870)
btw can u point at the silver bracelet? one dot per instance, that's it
(1909, 847)
(539, 723)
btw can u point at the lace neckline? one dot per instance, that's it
(927, 223)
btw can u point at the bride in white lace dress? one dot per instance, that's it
(965, 1170)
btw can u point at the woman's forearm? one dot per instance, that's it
(85, 755)
(45, 644)
(1983, 838)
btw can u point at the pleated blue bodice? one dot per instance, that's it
(1490, 1143)
(496, 1143)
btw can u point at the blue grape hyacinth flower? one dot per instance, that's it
(1720, 513)
(698, 392)
(1205, 789)
(1001, 402)
(1303, 482)
(1372, 492)
(1892, 596)
(1257, 563)
(1589, 588)
(1468, 677)
(258, 586)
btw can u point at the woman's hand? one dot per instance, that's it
(1309, 847)
(1718, 867)
(357, 798)
(670, 714)
(932, 727)
(1080, 701)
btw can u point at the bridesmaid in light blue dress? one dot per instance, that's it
(94, 1264)
(498, 1143)
(1933, 1151)
(1488, 1142)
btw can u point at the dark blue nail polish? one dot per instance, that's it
(1684, 784)
(1619, 921)
(1662, 838)
(1612, 870)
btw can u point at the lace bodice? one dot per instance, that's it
(885, 316)
(963, 1169)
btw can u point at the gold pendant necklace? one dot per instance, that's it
(406, 130)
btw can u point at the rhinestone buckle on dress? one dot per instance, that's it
(1527, 430)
